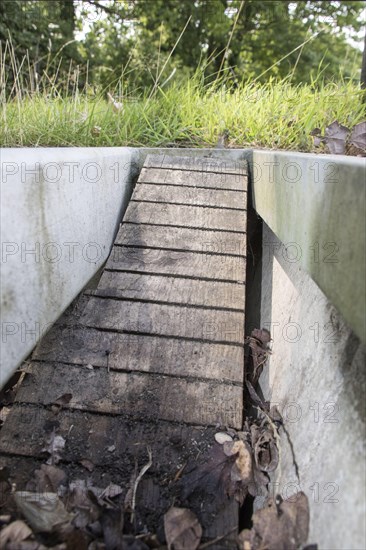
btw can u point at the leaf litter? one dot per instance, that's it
(62, 513)
(340, 140)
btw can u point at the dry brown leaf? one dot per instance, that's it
(242, 467)
(182, 529)
(212, 475)
(259, 345)
(278, 527)
(266, 452)
(15, 532)
(357, 140)
(335, 138)
(43, 511)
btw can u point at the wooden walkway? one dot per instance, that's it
(154, 355)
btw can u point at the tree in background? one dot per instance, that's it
(243, 39)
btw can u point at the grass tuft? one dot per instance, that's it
(277, 114)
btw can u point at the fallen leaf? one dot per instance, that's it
(266, 452)
(259, 347)
(278, 527)
(242, 467)
(15, 532)
(335, 138)
(212, 475)
(357, 140)
(182, 529)
(55, 445)
(43, 511)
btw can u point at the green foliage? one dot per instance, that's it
(141, 34)
(275, 115)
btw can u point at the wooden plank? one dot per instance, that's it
(145, 396)
(129, 437)
(185, 216)
(157, 319)
(190, 195)
(136, 352)
(202, 164)
(197, 240)
(194, 179)
(164, 354)
(171, 289)
(172, 262)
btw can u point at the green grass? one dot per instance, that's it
(274, 115)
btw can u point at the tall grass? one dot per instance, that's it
(45, 111)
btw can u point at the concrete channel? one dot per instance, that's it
(60, 212)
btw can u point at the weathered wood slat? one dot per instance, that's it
(171, 289)
(171, 262)
(144, 396)
(190, 195)
(154, 356)
(136, 352)
(157, 319)
(97, 434)
(196, 240)
(202, 164)
(194, 179)
(185, 216)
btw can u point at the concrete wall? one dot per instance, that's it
(60, 210)
(316, 205)
(316, 375)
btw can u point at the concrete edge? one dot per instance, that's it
(315, 204)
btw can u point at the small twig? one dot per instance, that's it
(179, 472)
(138, 479)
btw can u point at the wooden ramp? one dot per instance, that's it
(154, 355)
